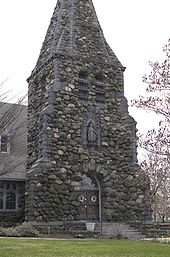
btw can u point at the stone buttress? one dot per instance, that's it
(82, 161)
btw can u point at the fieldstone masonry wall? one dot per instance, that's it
(79, 124)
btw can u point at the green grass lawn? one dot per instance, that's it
(80, 248)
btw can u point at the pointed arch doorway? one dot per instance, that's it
(89, 199)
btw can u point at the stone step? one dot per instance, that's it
(117, 230)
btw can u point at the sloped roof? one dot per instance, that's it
(14, 176)
(12, 166)
(75, 31)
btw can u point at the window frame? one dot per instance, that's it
(3, 200)
(7, 144)
(5, 192)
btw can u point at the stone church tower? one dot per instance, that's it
(82, 161)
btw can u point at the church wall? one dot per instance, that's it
(12, 164)
(78, 123)
(63, 153)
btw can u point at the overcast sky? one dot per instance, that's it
(136, 30)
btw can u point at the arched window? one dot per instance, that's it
(1, 200)
(9, 195)
(88, 183)
(11, 200)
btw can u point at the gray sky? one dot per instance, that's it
(135, 30)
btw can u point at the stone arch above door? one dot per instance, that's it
(88, 196)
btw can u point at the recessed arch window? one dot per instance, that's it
(11, 200)
(1, 200)
(8, 196)
(88, 183)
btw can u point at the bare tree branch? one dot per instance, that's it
(157, 141)
(12, 121)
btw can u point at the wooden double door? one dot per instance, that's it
(89, 204)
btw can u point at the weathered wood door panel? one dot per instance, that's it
(89, 204)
